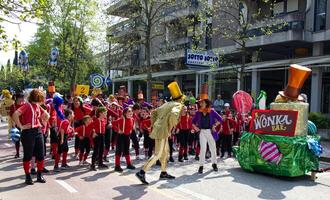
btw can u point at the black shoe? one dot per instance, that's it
(93, 168)
(180, 159)
(65, 166)
(196, 157)
(103, 166)
(56, 169)
(105, 159)
(200, 170)
(215, 167)
(40, 178)
(131, 167)
(28, 179)
(17, 156)
(171, 159)
(44, 170)
(222, 155)
(165, 175)
(141, 177)
(118, 169)
(33, 171)
(185, 157)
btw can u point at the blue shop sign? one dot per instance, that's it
(201, 58)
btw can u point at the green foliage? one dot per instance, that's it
(321, 121)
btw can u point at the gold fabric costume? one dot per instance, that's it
(163, 119)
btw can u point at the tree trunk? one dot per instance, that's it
(148, 58)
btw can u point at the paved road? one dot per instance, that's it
(231, 182)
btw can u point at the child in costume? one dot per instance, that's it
(145, 127)
(84, 133)
(28, 118)
(228, 127)
(134, 135)
(99, 123)
(65, 130)
(124, 127)
(184, 130)
(163, 120)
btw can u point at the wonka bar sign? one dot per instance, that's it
(274, 122)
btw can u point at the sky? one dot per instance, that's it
(24, 33)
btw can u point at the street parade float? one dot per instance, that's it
(281, 141)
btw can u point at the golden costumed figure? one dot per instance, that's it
(163, 119)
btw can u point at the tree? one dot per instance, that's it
(16, 12)
(237, 23)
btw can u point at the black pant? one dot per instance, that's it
(226, 144)
(107, 138)
(63, 147)
(85, 145)
(45, 141)
(135, 140)
(113, 138)
(33, 144)
(76, 142)
(236, 137)
(183, 138)
(53, 136)
(170, 144)
(98, 149)
(122, 147)
(76, 124)
(149, 144)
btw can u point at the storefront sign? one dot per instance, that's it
(274, 122)
(157, 85)
(82, 90)
(201, 58)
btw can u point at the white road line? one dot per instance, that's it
(7, 145)
(67, 186)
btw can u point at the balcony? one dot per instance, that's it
(125, 30)
(289, 27)
(175, 49)
(123, 8)
(181, 10)
(123, 59)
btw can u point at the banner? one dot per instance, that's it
(82, 90)
(201, 58)
(274, 122)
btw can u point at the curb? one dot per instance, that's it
(325, 159)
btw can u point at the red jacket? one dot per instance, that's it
(87, 129)
(146, 125)
(123, 125)
(99, 125)
(185, 123)
(227, 125)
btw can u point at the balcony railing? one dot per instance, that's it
(125, 27)
(181, 9)
(283, 23)
(177, 45)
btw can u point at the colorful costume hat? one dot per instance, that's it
(175, 91)
(297, 77)
(204, 92)
(51, 87)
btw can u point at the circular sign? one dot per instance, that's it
(97, 80)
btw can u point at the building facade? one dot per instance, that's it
(301, 36)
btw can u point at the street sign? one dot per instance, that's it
(201, 58)
(157, 85)
(82, 90)
(274, 122)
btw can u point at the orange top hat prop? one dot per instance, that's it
(175, 91)
(297, 77)
(140, 95)
(204, 92)
(51, 87)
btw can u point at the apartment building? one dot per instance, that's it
(303, 38)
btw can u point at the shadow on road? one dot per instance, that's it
(261, 182)
(130, 192)
(97, 176)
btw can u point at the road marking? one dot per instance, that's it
(7, 145)
(67, 186)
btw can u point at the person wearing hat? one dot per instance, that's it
(163, 120)
(205, 120)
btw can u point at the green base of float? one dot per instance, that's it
(297, 159)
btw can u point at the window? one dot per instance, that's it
(292, 5)
(320, 15)
(278, 7)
